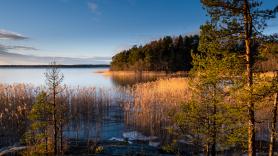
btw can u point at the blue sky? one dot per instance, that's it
(89, 28)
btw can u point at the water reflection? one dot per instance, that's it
(83, 77)
(130, 78)
(95, 102)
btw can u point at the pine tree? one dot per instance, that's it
(54, 79)
(215, 68)
(208, 116)
(38, 134)
(241, 20)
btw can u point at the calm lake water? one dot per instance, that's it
(111, 121)
(72, 76)
(100, 120)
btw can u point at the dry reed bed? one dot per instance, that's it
(88, 108)
(82, 105)
(149, 109)
(15, 103)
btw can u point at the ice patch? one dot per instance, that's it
(134, 135)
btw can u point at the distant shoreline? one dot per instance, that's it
(146, 73)
(58, 66)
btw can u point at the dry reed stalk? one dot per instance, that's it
(84, 106)
(152, 101)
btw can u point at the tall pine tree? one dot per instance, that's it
(241, 20)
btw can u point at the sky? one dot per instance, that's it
(95, 28)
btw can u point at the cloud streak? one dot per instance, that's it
(17, 48)
(8, 35)
(9, 55)
(7, 58)
(93, 7)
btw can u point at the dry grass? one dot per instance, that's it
(15, 103)
(83, 104)
(149, 109)
(269, 74)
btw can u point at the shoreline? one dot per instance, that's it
(147, 73)
(58, 66)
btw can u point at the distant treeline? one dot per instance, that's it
(58, 66)
(165, 54)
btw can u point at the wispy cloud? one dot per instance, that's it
(9, 35)
(17, 48)
(93, 6)
(8, 58)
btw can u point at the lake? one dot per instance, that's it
(104, 122)
(72, 76)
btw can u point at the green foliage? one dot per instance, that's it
(241, 21)
(39, 117)
(210, 118)
(169, 148)
(229, 16)
(168, 54)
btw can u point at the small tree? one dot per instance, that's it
(209, 116)
(38, 135)
(54, 80)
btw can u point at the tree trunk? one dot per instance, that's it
(273, 126)
(55, 122)
(207, 149)
(61, 138)
(45, 130)
(213, 146)
(249, 57)
(207, 146)
(46, 144)
(251, 111)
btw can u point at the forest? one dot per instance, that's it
(166, 54)
(173, 54)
